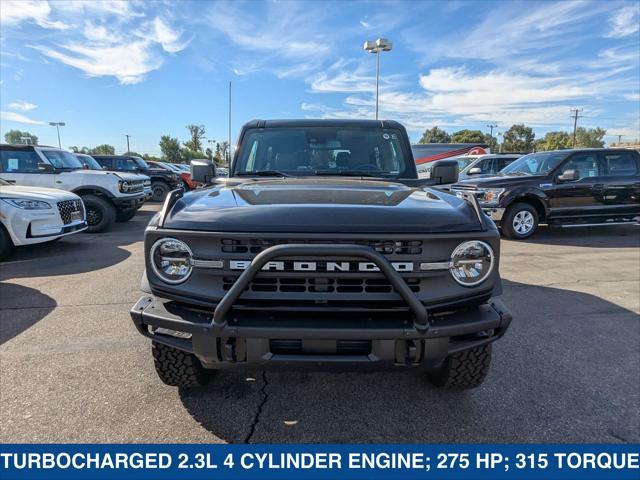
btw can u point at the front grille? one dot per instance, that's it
(389, 247)
(284, 284)
(67, 207)
(136, 186)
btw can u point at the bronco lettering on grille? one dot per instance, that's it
(307, 266)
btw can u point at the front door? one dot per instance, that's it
(581, 197)
(24, 167)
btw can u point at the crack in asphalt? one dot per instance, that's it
(256, 418)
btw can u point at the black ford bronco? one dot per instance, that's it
(322, 250)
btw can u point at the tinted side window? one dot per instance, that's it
(586, 165)
(105, 162)
(620, 164)
(19, 161)
(486, 165)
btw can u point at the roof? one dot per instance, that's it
(308, 122)
(22, 146)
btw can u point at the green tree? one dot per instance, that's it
(196, 133)
(170, 148)
(554, 141)
(435, 135)
(590, 137)
(217, 155)
(104, 149)
(491, 142)
(467, 136)
(187, 154)
(209, 153)
(519, 138)
(224, 153)
(18, 137)
(152, 158)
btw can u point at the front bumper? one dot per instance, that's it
(130, 201)
(305, 341)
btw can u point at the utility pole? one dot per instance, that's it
(58, 125)
(229, 146)
(128, 149)
(620, 139)
(574, 114)
(491, 127)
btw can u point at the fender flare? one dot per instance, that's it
(527, 192)
(101, 190)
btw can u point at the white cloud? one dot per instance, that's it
(625, 22)
(127, 61)
(162, 33)
(288, 40)
(22, 106)
(634, 97)
(19, 118)
(14, 12)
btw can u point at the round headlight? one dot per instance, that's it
(471, 263)
(171, 260)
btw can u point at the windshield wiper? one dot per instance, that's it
(348, 173)
(263, 173)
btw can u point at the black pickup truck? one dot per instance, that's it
(322, 250)
(568, 188)
(162, 181)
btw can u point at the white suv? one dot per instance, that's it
(34, 215)
(107, 197)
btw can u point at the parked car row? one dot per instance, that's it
(47, 192)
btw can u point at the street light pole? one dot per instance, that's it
(128, 148)
(58, 125)
(380, 45)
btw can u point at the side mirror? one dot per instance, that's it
(45, 168)
(203, 171)
(569, 176)
(474, 171)
(445, 172)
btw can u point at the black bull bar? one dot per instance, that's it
(320, 250)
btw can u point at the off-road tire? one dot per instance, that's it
(463, 370)
(6, 245)
(160, 190)
(177, 368)
(126, 215)
(105, 213)
(507, 222)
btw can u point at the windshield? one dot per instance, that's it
(535, 164)
(89, 162)
(62, 159)
(140, 162)
(300, 151)
(464, 162)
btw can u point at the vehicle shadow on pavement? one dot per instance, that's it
(619, 236)
(79, 253)
(564, 372)
(14, 298)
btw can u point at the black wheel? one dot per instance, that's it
(178, 368)
(100, 213)
(6, 245)
(160, 190)
(520, 221)
(126, 215)
(463, 370)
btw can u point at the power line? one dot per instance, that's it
(575, 112)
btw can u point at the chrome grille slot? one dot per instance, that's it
(388, 247)
(69, 207)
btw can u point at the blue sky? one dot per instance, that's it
(149, 68)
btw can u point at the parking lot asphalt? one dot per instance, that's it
(73, 368)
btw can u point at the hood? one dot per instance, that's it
(321, 205)
(497, 181)
(130, 177)
(87, 171)
(35, 193)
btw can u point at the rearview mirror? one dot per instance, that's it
(203, 171)
(45, 167)
(569, 176)
(445, 172)
(474, 171)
